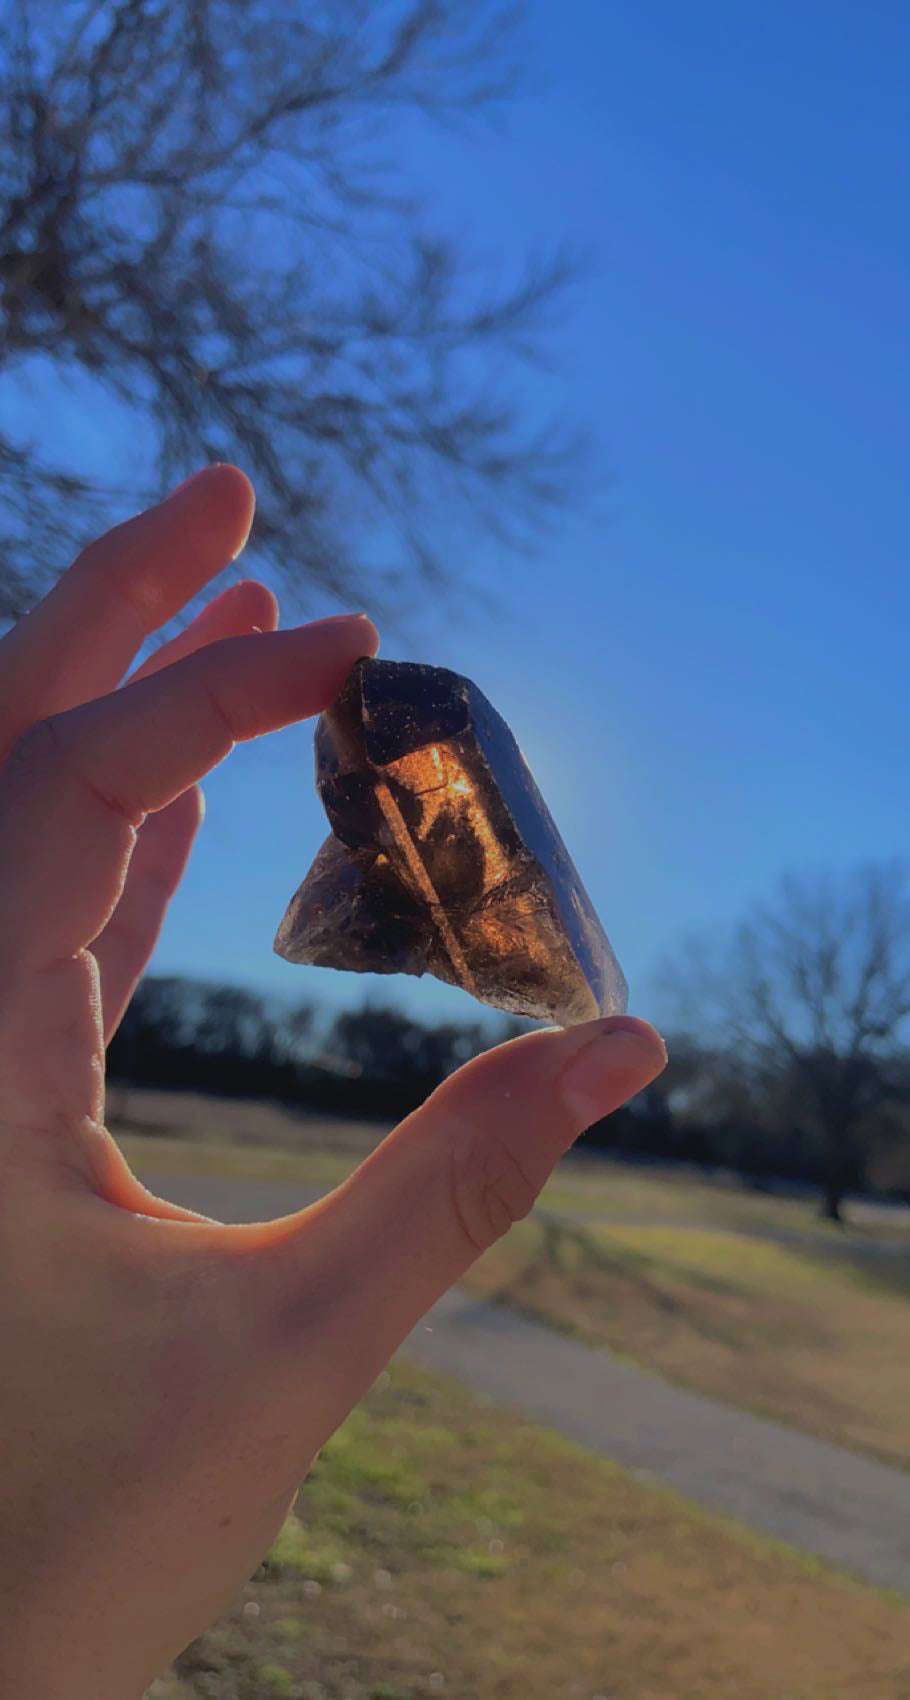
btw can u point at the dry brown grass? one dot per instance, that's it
(815, 1339)
(445, 1548)
(225, 1125)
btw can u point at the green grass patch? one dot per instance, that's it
(296, 1551)
(530, 1570)
(275, 1679)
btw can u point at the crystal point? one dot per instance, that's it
(443, 857)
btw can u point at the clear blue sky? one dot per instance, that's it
(708, 668)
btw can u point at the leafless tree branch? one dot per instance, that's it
(813, 993)
(203, 221)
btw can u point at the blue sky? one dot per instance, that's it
(707, 666)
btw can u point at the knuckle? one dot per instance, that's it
(36, 749)
(46, 754)
(491, 1189)
(219, 713)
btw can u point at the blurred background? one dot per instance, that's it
(571, 343)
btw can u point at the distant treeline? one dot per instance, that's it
(377, 1062)
(369, 1062)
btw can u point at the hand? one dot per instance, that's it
(166, 1381)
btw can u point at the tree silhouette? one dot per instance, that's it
(233, 1021)
(201, 1036)
(813, 993)
(205, 237)
(384, 1044)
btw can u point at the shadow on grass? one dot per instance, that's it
(577, 1261)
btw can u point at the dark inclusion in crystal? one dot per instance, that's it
(444, 858)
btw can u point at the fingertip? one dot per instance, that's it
(644, 1032)
(225, 495)
(614, 1057)
(370, 634)
(233, 492)
(220, 477)
(591, 1070)
(364, 634)
(255, 605)
(621, 1057)
(188, 809)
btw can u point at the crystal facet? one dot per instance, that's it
(443, 857)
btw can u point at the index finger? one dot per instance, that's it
(79, 640)
(78, 785)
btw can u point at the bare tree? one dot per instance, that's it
(205, 240)
(813, 994)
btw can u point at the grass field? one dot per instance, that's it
(189, 1133)
(444, 1548)
(813, 1339)
(744, 1296)
(236, 1135)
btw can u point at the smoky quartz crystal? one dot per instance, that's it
(443, 857)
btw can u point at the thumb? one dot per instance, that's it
(449, 1181)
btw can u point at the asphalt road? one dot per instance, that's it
(837, 1504)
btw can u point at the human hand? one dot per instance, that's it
(165, 1381)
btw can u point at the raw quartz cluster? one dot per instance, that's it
(443, 857)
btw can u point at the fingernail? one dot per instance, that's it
(645, 1032)
(622, 1059)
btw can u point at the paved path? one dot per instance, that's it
(230, 1198)
(837, 1504)
(824, 1499)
